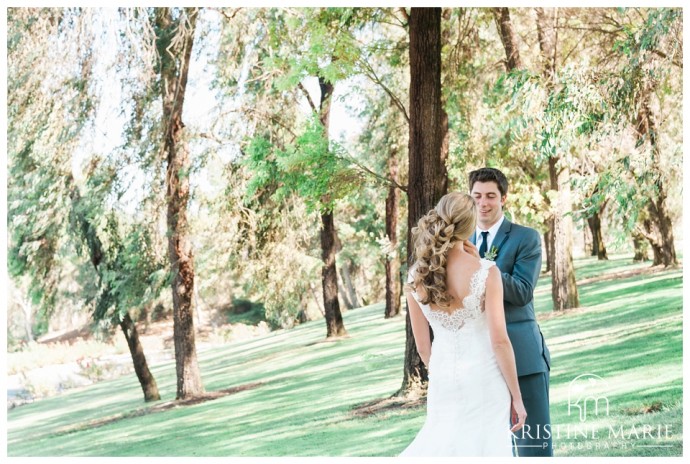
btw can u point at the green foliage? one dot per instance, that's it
(632, 176)
(40, 324)
(307, 168)
(306, 171)
(49, 108)
(642, 69)
(53, 108)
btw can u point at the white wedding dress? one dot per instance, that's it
(468, 401)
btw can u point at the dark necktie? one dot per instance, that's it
(482, 247)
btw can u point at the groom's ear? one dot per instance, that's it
(503, 200)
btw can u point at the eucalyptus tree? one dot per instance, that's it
(653, 52)
(614, 59)
(156, 46)
(175, 31)
(129, 265)
(383, 135)
(632, 53)
(552, 145)
(563, 286)
(54, 96)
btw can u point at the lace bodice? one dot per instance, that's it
(472, 304)
(468, 401)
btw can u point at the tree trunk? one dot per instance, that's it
(334, 319)
(349, 286)
(598, 247)
(548, 245)
(428, 179)
(505, 30)
(141, 367)
(563, 285)
(393, 286)
(174, 68)
(641, 247)
(316, 299)
(329, 277)
(27, 310)
(658, 225)
(342, 293)
(662, 254)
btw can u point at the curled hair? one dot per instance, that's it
(453, 220)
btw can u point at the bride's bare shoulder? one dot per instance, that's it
(465, 260)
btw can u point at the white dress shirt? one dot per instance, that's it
(492, 234)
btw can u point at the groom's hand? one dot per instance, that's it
(470, 248)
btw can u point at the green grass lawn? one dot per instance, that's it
(303, 390)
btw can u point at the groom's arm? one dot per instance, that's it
(518, 286)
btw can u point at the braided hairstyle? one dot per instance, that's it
(452, 221)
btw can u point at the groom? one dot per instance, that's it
(517, 252)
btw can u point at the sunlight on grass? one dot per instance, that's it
(629, 333)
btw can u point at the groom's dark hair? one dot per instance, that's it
(490, 175)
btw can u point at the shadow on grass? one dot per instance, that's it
(392, 403)
(208, 396)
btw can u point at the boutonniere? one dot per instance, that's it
(491, 254)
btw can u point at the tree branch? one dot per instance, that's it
(306, 94)
(643, 233)
(403, 11)
(665, 56)
(224, 13)
(371, 74)
(376, 175)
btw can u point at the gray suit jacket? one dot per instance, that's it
(519, 260)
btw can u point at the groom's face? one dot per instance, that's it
(489, 202)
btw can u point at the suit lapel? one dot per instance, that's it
(473, 238)
(502, 234)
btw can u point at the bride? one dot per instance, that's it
(473, 394)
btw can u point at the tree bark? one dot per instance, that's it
(141, 368)
(174, 68)
(329, 278)
(343, 294)
(27, 310)
(563, 284)
(598, 247)
(428, 179)
(641, 247)
(316, 300)
(393, 285)
(329, 274)
(349, 286)
(508, 38)
(548, 244)
(658, 225)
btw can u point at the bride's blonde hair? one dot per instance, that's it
(452, 221)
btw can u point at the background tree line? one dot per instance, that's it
(118, 191)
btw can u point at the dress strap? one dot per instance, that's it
(478, 281)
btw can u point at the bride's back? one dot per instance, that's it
(460, 267)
